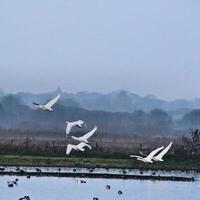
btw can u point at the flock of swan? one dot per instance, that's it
(153, 156)
(83, 141)
(80, 124)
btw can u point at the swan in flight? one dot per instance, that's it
(47, 106)
(78, 124)
(78, 147)
(161, 154)
(85, 137)
(148, 159)
(159, 157)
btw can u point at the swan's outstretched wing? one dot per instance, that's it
(154, 152)
(164, 151)
(69, 148)
(68, 127)
(52, 102)
(90, 134)
(35, 104)
(82, 144)
(79, 123)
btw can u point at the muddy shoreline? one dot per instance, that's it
(92, 173)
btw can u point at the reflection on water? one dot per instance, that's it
(54, 188)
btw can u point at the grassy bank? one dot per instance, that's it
(170, 163)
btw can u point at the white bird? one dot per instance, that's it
(85, 137)
(162, 153)
(78, 124)
(79, 147)
(148, 159)
(48, 106)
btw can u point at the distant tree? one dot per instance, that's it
(192, 118)
(122, 102)
(191, 143)
(2, 114)
(69, 102)
(159, 115)
(159, 122)
(11, 100)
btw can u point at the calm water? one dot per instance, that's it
(53, 188)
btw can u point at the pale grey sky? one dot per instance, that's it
(101, 45)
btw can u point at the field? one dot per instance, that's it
(109, 151)
(170, 163)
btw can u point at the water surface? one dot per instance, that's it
(55, 188)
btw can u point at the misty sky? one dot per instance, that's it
(147, 47)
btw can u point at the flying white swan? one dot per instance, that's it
(47, 106)
(78, 147)
(162, 153)
(148, 159)
(85, 137)
(78, 124)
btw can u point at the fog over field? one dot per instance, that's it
(118, 112)
(131, 68)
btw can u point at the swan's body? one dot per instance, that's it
(48, 106)
(159, 157)
(78, 124)
(148, 159)
(79, 147)
(85, 137)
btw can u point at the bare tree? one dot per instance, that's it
(192, 143)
